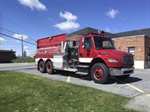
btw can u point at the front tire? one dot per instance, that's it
(100, 73)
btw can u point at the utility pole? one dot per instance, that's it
(22, 47)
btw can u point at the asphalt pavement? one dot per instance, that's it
(136, 87)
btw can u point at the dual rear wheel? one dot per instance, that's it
(45, 67)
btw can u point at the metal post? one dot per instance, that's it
(22, 47)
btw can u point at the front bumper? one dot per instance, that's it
(121, 71)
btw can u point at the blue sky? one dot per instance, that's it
(34, 19)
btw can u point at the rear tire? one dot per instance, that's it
(124, 77)
(41, 67)
(49, 67)
(100, 73)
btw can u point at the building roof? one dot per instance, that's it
(145, 31)
(7, 51)
(76, 35)
(87, 30)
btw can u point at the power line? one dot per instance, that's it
(38, 18)
(18, 39)
(25, 16)
(13, 32)
(18, 25)
(7, 30)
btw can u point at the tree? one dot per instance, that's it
(24, 54)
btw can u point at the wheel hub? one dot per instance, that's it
(98, 73)
(48, 68)
(41, 67)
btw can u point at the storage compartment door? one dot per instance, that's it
(58, 61)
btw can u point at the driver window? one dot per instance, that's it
(87, 43)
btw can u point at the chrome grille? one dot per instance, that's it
(127, 59)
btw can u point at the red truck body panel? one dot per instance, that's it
(50, 44)
(52, 39)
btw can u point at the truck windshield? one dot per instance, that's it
(103, 43)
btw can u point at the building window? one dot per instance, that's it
(131, 50)
(149, 50)
(149, 54)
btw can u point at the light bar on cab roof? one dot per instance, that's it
(100, 32)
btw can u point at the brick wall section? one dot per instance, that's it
(147, 46)
(138, 41)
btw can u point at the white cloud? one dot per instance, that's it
(112, 13)
(15, 41)
(26, 47)
(107, 29)
(53, 21)
(33, 4)
(68, 16)
(2, 39)
(122, 18)
(116, 31)
(10, 46)
(69, 24)
(30, 52)
(18, 52)
(1, 46)
(20, 36)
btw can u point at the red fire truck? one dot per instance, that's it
(93, 54)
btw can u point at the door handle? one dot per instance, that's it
(81, 54)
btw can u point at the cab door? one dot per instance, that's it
(85, 50)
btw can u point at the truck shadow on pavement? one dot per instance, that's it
(112, 80)
(129, 80)
(72, 74)
(30, 68)
(133, 79)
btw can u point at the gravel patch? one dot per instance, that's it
(140, 103)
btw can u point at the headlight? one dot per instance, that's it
(112, 60)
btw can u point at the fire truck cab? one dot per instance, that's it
(93, 54)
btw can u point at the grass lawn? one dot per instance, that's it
(28, 60)
(20, 92)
